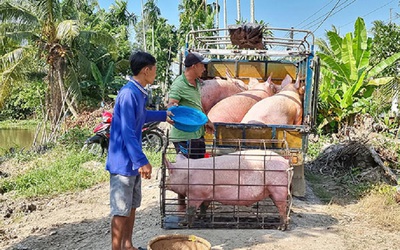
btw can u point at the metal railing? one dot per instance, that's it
(276, 42)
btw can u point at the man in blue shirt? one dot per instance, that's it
(126, 161)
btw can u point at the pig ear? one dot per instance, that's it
(228, 75)
(297, 83)
(287, 80)
(269, 78)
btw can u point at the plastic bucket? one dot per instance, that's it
(178, 242)
(187, 119)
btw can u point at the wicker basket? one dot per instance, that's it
(178, 242)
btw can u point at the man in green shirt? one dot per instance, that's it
(185, 91)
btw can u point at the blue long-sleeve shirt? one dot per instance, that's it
(125, 154)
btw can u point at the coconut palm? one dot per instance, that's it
(194, 15)
(38, 33)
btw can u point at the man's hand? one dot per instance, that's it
(145, 171)
(169, 120)
(210, 127)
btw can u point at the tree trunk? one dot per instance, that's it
(144, 31)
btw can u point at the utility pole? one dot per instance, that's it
(238, 10)
(225, 19)
(217, 13)
(252, 19)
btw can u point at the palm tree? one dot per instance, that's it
(151, 13)
(120, 14)
(194, 15)
(38, 32)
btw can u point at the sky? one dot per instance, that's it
(317, 16)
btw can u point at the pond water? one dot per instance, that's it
(16, 137)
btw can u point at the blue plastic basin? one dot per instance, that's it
(187, 119)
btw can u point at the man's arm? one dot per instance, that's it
(172, 102)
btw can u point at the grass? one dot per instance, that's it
(60, 171)
(378, 207)
(23, 124)
(55, 176)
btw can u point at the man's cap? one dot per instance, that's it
(193, 58)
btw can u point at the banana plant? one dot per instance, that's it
(348, 78)
(103, 81)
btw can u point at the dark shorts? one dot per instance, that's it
(194, 148)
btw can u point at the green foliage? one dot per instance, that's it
(64, 169)
(103, 81)
(23, 124)
(314, 148)
(74, 138)
(63, 175)
(25, 101)
(194, 15)
(387, 191)
(348, 80)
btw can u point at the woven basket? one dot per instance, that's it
(178, 242)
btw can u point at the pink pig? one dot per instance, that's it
(241, 178)
(232, 109)
(213, 91)
(283, 108)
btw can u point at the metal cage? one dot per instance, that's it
(218, 214)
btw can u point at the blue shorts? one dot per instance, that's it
(125, 194)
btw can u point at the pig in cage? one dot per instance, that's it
(244, 185)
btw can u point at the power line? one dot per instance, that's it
(327, 16)
(314, 13)
(371, 12)
(288, 34)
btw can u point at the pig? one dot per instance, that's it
(214, 90)
(232, 109)
(284, 108)
(241, 178)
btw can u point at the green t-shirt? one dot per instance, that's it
(187, 95)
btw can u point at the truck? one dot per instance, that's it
(257, 51)
(280, 51)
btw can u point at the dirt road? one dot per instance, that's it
(81, 221)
